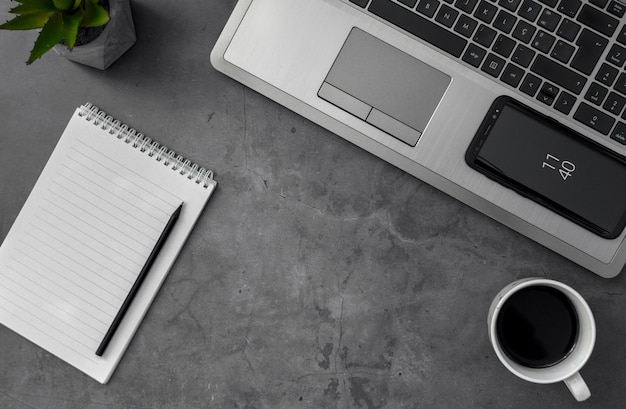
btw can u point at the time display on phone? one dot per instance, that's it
(564, 168)
(552, 165)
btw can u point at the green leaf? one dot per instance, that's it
(63, 4)
(33, 7)
(95, 15)
(50, 35)
(27, 22)
(70, 27)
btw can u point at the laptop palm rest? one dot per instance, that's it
(384, 86)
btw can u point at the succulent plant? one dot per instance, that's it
(59, 20)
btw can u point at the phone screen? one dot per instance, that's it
(553, 165)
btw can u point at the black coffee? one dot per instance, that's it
(537, 326)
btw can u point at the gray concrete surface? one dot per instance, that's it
(318, 276)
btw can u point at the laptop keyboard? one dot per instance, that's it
(552, 50)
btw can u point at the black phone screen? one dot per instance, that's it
(553, 165)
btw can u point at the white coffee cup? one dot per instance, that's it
(566, 370)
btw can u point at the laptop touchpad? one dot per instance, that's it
(384, 86)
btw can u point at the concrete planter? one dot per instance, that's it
(118, 36)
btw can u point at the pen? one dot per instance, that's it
(142, 275)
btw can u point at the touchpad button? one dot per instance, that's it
(384, 86)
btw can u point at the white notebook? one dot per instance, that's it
(84, 234)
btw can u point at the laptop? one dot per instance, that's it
(514, 107)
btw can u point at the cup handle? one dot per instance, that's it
(578, 387)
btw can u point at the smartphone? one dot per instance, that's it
(549, 163)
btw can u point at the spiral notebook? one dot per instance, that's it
(84, 233)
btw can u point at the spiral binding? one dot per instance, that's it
(139, 141)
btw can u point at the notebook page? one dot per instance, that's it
(82, 238)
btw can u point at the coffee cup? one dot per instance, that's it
(543, 331)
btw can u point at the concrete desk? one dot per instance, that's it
(318, 276)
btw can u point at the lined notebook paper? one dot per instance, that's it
(85, 232)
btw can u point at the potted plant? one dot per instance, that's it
(91, 32)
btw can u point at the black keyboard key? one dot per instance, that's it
(363, 3)
(504, 21)
(593, 118)
(568, 29)
(408, 3)
(512, 75)
(558, 74)
(543, 41)
(493, 65)
(523, 55)
(485, 12)
(562, 51)
(546, 99)
(598, 20)
(591, 46)
(530, 85)
(620, 85)
(619, 133)
(569, 7)
(617, 55)
(474, 55)
(510, 4)
(565, 102)
(596, 93)
(549, 20)
(447, 16)
(547, 94)
(529, 10)
(485, 36)
(607, 74)
(419, 26)
(617, 9)
(465, 26)
(614, 103)
(503, 46)
(549, 90)
(466, 5)
(427, 7)
(524, 31)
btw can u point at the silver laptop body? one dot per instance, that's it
(338, 63)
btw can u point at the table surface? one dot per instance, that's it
(318, 276)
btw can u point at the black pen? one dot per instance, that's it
(142, 275)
